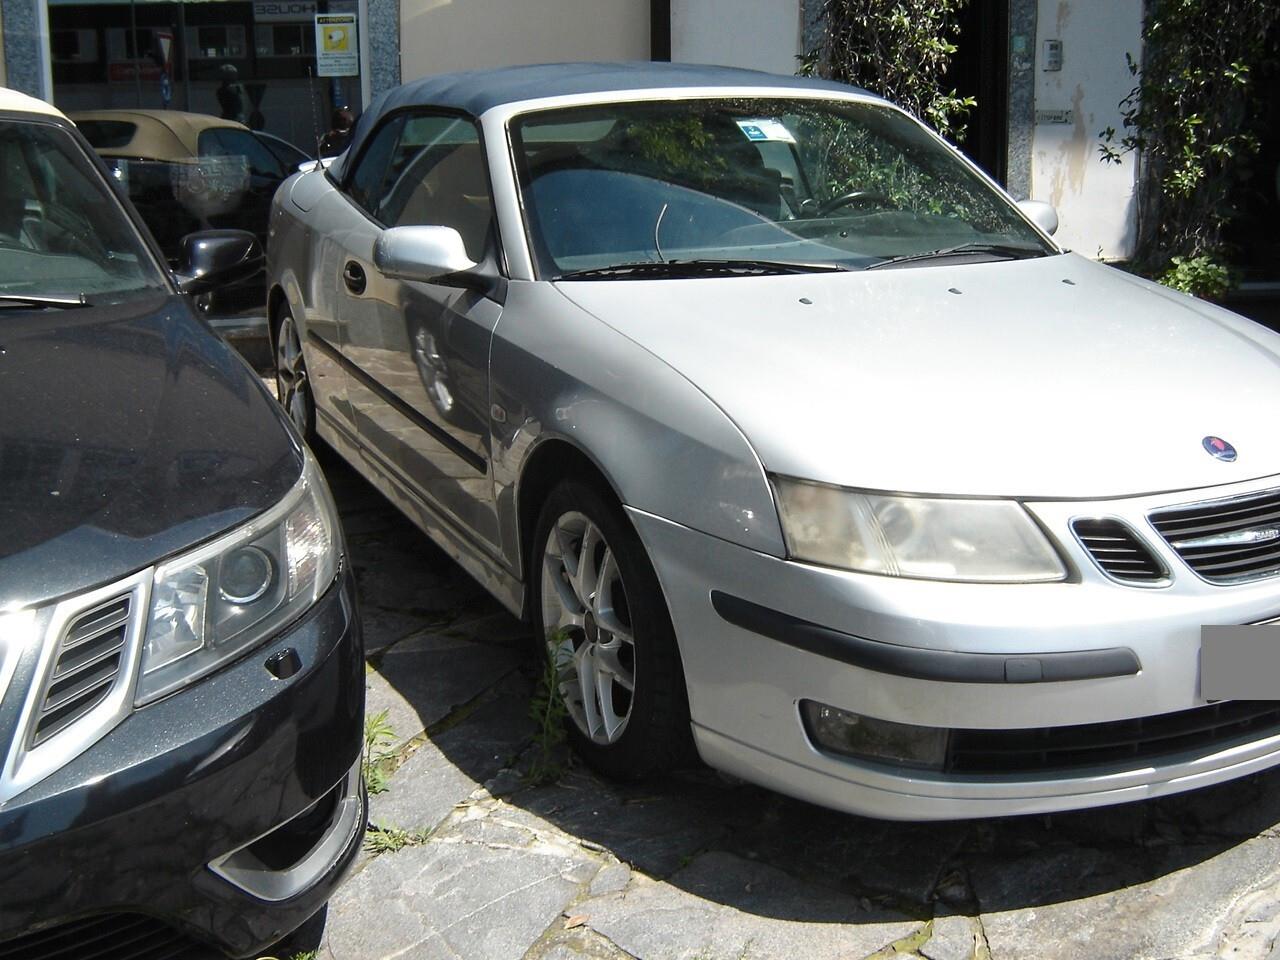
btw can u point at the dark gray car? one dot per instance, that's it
(181, 679)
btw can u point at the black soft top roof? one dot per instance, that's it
(476, 91)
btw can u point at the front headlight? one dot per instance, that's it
(933, 539)
(214, 603)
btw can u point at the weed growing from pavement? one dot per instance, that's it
(390, 839)
(548, 711)
(378, 736)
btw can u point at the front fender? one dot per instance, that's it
(559, 373)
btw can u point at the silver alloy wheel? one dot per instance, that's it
(292, 386)
(588, 627)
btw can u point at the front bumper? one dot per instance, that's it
(140, 822)
(1128, 652)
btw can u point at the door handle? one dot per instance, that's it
(353, 277)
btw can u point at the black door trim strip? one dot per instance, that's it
(457, 448)
(948, 666)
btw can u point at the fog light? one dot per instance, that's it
(851, 735)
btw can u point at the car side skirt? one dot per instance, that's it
(447, 535)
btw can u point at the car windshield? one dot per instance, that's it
(781, 183)
(64, 237)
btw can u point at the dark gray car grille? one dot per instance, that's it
(1226, 541)
(120, 936)
(1118, 551)
(1121, 741)
(89, 660)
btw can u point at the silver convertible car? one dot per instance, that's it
(797, 440)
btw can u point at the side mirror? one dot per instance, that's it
(214, 258)
(421, 253)
(1041, 214)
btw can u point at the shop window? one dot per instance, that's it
(284, 39)
(75, 46)
(121, 46)
(215, 42)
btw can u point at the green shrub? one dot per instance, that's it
(900, 49)
(1199, 276)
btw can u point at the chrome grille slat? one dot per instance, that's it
(77, 685)
(1224, 563)
(97, 622)
(1217, 519)
(89, 652)
(87, 666)
(88, 649)
(1118, 552)
(1266, 509)
(1214, 561)
(58, 721)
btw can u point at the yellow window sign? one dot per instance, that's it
(337, 52)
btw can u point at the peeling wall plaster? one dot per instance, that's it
(1096, 201)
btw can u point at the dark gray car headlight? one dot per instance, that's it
(929, 538)
(213, 603)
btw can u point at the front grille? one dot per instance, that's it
(1226, 541)
(89, 660)
(1063, 748)
(120, 936)
(1118, 552)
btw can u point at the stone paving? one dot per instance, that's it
(479, 864)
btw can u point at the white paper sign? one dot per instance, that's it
(765, 130)
(337, 51)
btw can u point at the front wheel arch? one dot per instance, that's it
(550, 462)
(277, 302)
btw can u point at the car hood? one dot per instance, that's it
(1054, 377)
(128, 433)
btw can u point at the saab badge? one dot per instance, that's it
(1219, 449)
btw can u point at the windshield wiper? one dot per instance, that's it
(648, 269)
(62, 303)
(1010, 251)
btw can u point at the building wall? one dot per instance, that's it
(1096, 201)
(761, 34)
(440, 36)
(25, 44)
(382, 55)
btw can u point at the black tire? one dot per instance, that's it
(655, 735)
(293, 383)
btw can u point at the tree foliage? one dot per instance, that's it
(1187, 118)
(899, 49)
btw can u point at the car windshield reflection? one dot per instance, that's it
(804, 181)
(63, 239)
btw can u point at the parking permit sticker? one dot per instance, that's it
(765, 131)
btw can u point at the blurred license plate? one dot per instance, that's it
(1240, 662)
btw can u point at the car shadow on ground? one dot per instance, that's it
(456, 675)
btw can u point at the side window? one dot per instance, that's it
(374, 165)
(435, 175)
(229, 142)
(290, 157)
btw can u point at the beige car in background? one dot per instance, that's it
(191, 171)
